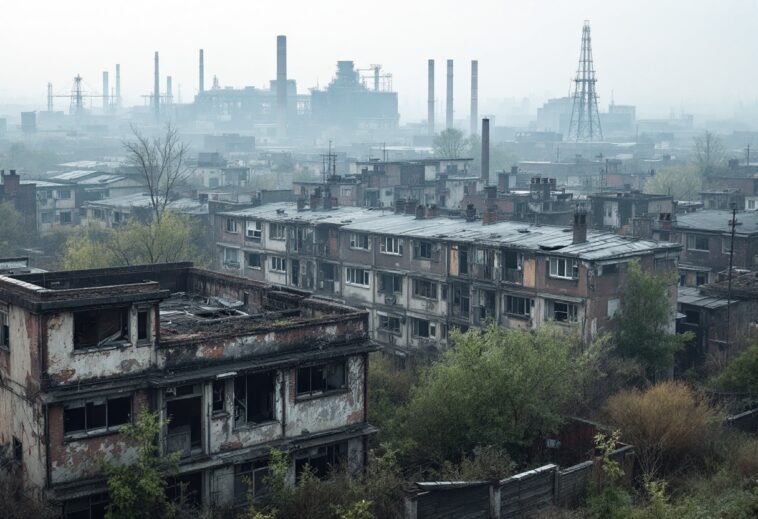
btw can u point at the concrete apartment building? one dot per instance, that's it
(419, 274)
(236, 366)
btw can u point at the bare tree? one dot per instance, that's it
(711, 153)
(450, 144)
(162, 162)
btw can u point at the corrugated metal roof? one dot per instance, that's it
(599, 245)
(718, 221)
(186, 205)
(692, 296)
(102, 179)
(74, 175)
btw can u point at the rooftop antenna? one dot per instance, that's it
(585, 118)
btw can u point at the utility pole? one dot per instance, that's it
(729, 282)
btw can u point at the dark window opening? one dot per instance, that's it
(518, 305)
(90, 507)
(692, 317)
(701, 278)
(422, 250)
(510, 258)
(219, 395)
(93, 328)
(18, 450)
(424, 289)
(321, 460)
(97, 415)
(389, 323)
(186, 489)
(254, 398)
(390, 284)
(4, 331)
(462, 262)
(142, 320)
(609, 269)
(250, 481)
(184, 429)
(313, 380)
(564, 312)
(254, 261)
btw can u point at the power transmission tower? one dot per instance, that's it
(585, 118)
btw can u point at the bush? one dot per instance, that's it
(741, 374)
(669, 425)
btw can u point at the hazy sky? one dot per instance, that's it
(662, 55)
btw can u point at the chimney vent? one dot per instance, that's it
(580, 226)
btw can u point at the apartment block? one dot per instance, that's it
(420, 274)
(233, 366)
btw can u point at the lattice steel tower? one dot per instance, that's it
(585, 119)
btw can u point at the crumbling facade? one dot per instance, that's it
(234, 367)
(420, 274)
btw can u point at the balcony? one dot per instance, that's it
(513, 276)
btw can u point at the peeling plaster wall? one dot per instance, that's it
(67, 366)
(326, 412)
(21, 411)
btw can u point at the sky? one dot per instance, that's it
(665, 56)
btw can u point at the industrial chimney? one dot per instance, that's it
(449, 104)
(201, 79)
(580, 226)
(157, 89)
(118, 85)
(430, 97)
(106, 88)
(169, 90)
(474, 95)
(485, 151)
(281, 85)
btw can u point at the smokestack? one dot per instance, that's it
(201, 82)
(580, 226)
(474, 95)
(376, 77)
(49, 97)
(430, 98)
(106, 91)
(449, 105)
(169, 90)
(281, 85)
(157, 89)
(485, 150)
(118, 85)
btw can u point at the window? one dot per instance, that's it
(321, 460)
(277, 231)
(461, 301)
(254, 231)
(564, 268)
(751, 204)
(97, 415)
(90, 507)
(5, 342)
(389, 323)
(513, 260)
(390, 283)
(65, 217)
(518, 305)
(143, 325)
(562, 312)
(64, 194)
(254, 260)
(46, 217)
(697, 242)
(463, 262)
(424, 289)
(391, 245)
(250, 481)
(701, 278)
(219, 395)
(422, 250)
(231, 257)
(278, 264)
(359, 277)
(610, 269)
(231, 225)
(18, 450)
(321, 378)
(424, 329)
(359, 241)
(726, 245)
(94, 328)
(254, 398)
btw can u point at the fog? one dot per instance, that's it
(672, 56)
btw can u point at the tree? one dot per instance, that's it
(681, 182)
(608, 499)
(449, 144)
(493, 387)
(138, 490)
(162, 163)
(13, 235)
(642, 325)
(669, 425)
(710, 153)
(742, 373)
(165, 241)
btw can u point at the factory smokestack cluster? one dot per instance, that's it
(281, 85)
(474, 95)
(430, 98)
(449, 94)
(118, 86)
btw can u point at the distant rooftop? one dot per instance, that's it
(719, 221)
(142, 200)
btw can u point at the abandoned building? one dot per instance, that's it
(630, 213)
(234, 367)
(420, 274)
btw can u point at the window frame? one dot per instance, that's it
(231, 226)
(353, 273)
(419, 246)
(254, 230)
(355, 241)
(572, 312)
(278, 264)
(513, 304)
(5, 340)
(431, 287)
(692, 242)
(570, 267)
(431, 328)
(231, 263)
(277, 231)
(391, 245)
(85, 405)
(325, 390)
(385, 322)
(260, 257)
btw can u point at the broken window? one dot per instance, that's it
(512, 259)
(389, 323)
(422, 250)
(390, 283)
(562, 312)
(312, 380)
(424, 289)
(254, 398)
(461, 301)
(254, 260)
(5, 342)
(321, 460)
(462, 262)
(219, 395)
(231, 257)
(97, 415)
(186, 489)
(424, 329)
(93, 328)
(143, 328)
(90, 507)
(277, 231)
(184, 414)
(564, 268)
(250, 481)
(518, 305)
